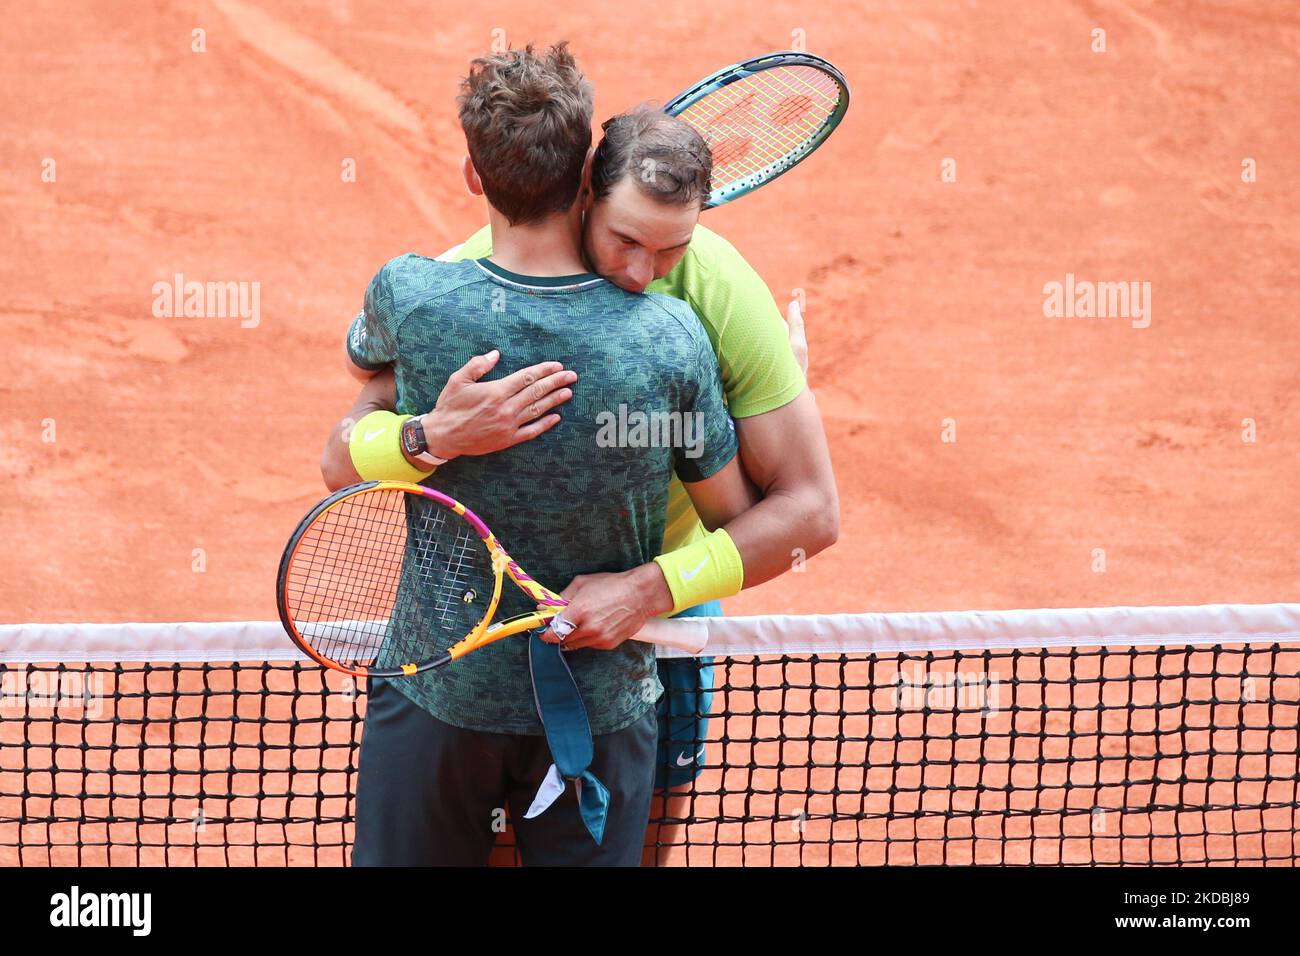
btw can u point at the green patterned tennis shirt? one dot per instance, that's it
(590, 495)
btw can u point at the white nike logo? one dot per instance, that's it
(687, 575)
(685, 760)
(371, 436)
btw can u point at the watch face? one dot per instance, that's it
(413, 437)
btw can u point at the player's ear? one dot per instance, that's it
(586, 172)
(584, 192)
(472, 181)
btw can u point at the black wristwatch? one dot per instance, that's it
(415, 445)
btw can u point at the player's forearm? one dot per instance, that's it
(379, 394)
(783, 530)
(336, 467)
(756, 545)
(336, 464)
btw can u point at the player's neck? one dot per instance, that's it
(551, 247)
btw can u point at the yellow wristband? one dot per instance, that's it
(376, 449)
(708, 569)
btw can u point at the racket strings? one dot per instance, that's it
(446, 586)
(447, 561)
(769, 118)
(386, 578)
(782, 119)
(343, 581)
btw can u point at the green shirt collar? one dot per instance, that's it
(548, 283)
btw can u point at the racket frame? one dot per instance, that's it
(484, 632)
(739, 71)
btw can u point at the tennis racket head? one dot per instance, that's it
(387, 578)
(762, 117)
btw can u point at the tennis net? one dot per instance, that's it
(1144, 736)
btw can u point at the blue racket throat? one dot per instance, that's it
(568, 733)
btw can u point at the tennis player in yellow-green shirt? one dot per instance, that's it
(637, 237)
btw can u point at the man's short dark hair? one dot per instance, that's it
(527, 122)
(668, 159)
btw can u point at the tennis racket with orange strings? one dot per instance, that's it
(762, 117)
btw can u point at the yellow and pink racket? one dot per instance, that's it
(388, 578)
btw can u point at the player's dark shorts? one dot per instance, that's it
(430, 794)
(683, 711)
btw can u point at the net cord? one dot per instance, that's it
(877, 633)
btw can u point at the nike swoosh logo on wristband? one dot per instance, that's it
(688, 575)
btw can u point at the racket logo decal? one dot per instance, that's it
(736, 111)
(731, 150)
(792, 109)
(762, 116)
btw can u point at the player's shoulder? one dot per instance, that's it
(712, 251)
(645, 317)
(706, 242)
(710, 268)
(411, 276)
(411, 267)
(673, 312)
(476, 246)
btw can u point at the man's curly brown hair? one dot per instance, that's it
(527, 122)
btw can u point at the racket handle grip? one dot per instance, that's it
(689, 635)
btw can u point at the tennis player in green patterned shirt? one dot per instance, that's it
(759, 370)
(641, 243)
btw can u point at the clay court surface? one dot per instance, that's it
(155, 466)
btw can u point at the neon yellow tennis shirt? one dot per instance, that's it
(744, 326)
